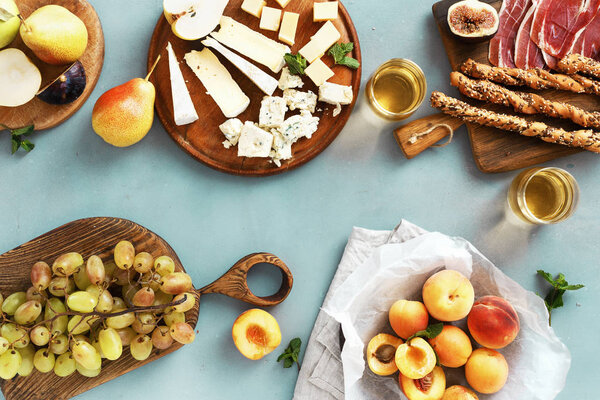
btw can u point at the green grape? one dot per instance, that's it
(81, 301)
(95, 270)
(28, 312)
(59, 344)
(161, 338)
(144, 323)
(142, 262)
(56, 306)
(164, 265)
(43, 360)
(4, 345)
(10, 362)
(12, 302)
(143, 297)
(187, 305)
(182, 332)
(1, 300)
(35, 294)
(96, 344)
(88, 373)
(152, 280)
(78, 324)
(128, 291)
(110, 343)
(40, 275)
(141, 347)
(81, 278)
(65, 365)
(17, 336)
(81, 337)
(105, 299)
(109, 269)
(124, 254)
(123, 277)
(171, 316)
(86, 355)
(67, 264)
(126, 335)
(161, 298)
(27, 354)
(118, 304)
(176, 283)
(120, 321)
(40, 335)
(59, 285)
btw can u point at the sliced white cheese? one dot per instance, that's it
(325, 11)
(264, 81)
(252, 44)
(270, 19)
(254, 7)
(289, 25)
(289, 81)
(254, 141)
(334, 94)
(183, 107)
(318, 72)
(272, 112)
(218, 82)
(297, 100)
(299, 126)
(232, 129)
(283, 3)
(320, 42)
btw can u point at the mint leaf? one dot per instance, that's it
(296, 63)
(5, 15)
(17, 140)
(339, 50)
(27, 145)
(350, 62)
(429, 333)
(291, 353)
(15, 146)
(554, 298)
(28, 130)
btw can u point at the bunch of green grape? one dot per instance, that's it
(77, 313)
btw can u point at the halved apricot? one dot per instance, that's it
(429, 387)
(458, 392)
(256, 333)
(415, 358)
(381, 353)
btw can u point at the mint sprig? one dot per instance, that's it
(18, 138)
(429, 333)
(291, 353)
(296, 63)
(559, 286)
(339, 53)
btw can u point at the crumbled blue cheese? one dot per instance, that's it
(297, 100)
(299, 126)
(272, 112)
(282, 148)
(289, 81)
(232, 129)
(254, 141)
(335, 94)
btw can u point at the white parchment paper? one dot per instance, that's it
(538, 361)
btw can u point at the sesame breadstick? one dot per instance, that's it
(574, 63)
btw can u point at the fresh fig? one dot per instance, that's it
(67, 87)
(473, 20)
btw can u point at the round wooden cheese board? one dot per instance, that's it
(202, 139)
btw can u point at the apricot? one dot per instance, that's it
(408, 317)
(486, 370)
(452, 346)
(430, 387)
(458, 392)
(415, 358)
(381, 353)
(448, 295)
(256, 333)
(493, 322)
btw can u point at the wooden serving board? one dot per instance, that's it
(203, 139)
(86, 236)
(495, 150)
(41, 114)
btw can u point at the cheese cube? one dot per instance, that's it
(319, 72)
(283, 3)
(272, 112)
(320, 42)
(325, 11)
(232, 129)
(297, 100)
(254, 7)
(270, 19)
(287, 33)
(289, 81)
(254, 142)
(335, 94)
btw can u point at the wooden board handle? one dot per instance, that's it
(234, 283)
(404, 133)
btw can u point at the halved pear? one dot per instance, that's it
(20, 79)
(193, 19)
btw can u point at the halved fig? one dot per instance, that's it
(473, 20)
(20, 79)
(67, 87)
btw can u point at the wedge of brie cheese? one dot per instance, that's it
(218, 82)
(183, 107)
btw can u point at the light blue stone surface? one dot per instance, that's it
(305, 216)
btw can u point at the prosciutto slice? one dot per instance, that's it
(502, 45)
(527, 54)
(588, 43)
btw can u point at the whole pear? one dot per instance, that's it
(55, 35)
(123, 115)
(10, 27)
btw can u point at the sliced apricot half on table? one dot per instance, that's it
(430, 387)
(415, 358)
(256, 333)
(381, 353)
(458, 392)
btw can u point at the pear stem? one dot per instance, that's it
(23, 22)
(153, 66)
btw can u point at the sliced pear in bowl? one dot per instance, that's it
(20, 79)
(193, 19)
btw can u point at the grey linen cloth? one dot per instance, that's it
(321, 376)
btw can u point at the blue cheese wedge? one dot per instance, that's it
(297, 100)
(254, 141)
(332, 93)
(218, 82)
(264, 81)
(183, 107)
(272, 112)
(232, 129)
(289, 81)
